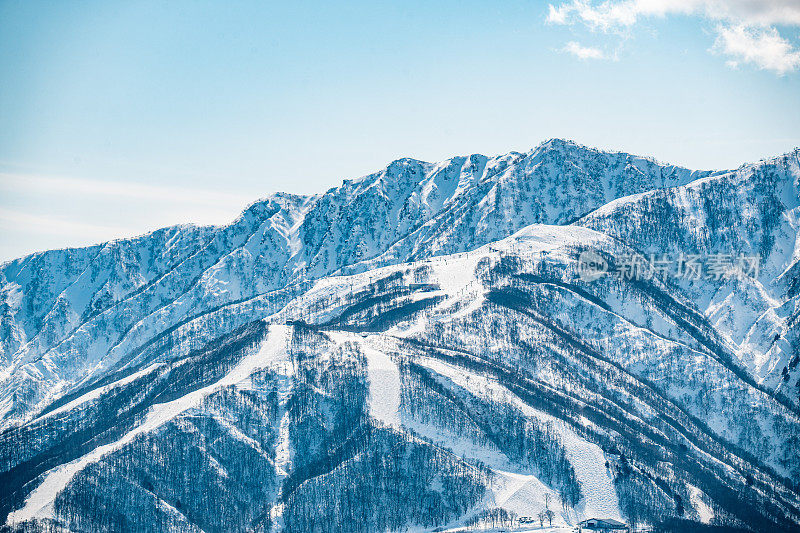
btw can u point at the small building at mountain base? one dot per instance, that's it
(605, 525)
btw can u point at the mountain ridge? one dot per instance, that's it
(261, 211)
(395, 294)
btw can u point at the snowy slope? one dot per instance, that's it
(39, 504)
(74, 314)
(420, 335)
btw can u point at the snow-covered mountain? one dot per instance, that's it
(418, 348)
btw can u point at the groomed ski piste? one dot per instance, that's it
(513, 489)
(39, 503)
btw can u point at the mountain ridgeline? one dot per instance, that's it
(417, 349)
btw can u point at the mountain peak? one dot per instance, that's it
(435, 300)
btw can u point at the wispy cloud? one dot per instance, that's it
(22, 232)
(39, 184)
(49, 225)
(39, 212)
(745, 28)
(583, 52)
(615, 13)
(764, 48)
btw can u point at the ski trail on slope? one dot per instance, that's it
(704, 511)
(283, 448)
(99, 391)
(514, 484)
(587, 458)
(39, 503)
(384, 386)
(526, 495)
(513, 488)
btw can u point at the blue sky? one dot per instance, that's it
(121, 117)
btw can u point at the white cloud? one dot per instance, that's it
(583, 52)
(557, 15)
(745, 29)
(33, 183)
(604, 16)
(756, 12)
(764, 48)
(611, 14)
(48, 225)
(42, 212)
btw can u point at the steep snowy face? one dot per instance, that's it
(425, 329)
(50, 293)
(71, 322)
(70, 315)
(753, 211)
(494, 350)
(555, 183)
(471, 387)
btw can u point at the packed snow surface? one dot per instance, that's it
(39, 503)
(587, 458)
(384, 387)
